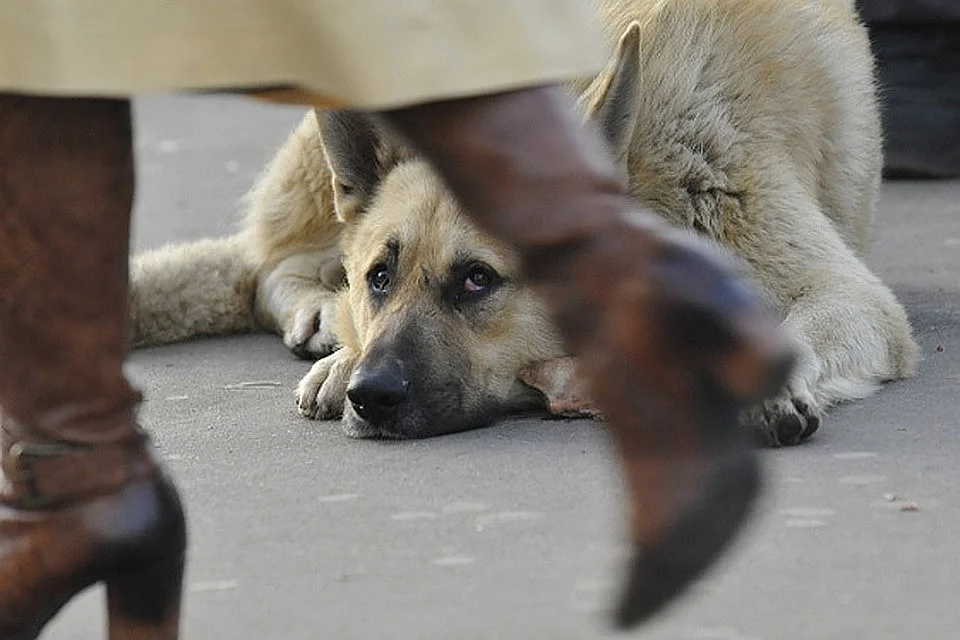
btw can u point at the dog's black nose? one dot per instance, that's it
(377, 390)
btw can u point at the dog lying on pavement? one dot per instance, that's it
(751, 122)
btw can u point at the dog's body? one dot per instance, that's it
(752, 122)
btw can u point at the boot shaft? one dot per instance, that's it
(66, 193)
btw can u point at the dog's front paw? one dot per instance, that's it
(787, 419)
(563, 389)
(321, 393)
(310, 334)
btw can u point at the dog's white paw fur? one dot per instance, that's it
(322, 391)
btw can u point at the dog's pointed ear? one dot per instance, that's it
(350, 143)
(614, 108)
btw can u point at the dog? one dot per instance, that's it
(753, 123)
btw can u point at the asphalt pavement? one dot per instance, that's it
(515, 531)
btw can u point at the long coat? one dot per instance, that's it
(365, 53)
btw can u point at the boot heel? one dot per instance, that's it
(144, 603)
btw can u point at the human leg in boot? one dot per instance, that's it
(671, 341)
(82, 500)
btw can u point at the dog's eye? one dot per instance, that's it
(479, 279)
(379, 279)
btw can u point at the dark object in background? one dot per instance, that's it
(917, 44)
(909, 11)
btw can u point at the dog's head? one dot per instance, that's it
(434, 309)
(434, 312)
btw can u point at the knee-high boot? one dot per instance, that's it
(672, 342)
(83, 500)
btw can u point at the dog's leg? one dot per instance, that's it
(321, 393)
(853, 335)
(292, 235)
(851, 331)
(565, 391)
(297, 299)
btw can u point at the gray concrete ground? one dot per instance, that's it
(514, 531)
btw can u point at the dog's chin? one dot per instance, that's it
(358, 428)
(419, 424)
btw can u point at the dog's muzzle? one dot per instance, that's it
(379, 390)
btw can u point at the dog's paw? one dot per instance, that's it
(564, 390)
(321, 393)
(309, 335)
(787, 419)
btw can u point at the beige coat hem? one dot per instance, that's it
(364, 53)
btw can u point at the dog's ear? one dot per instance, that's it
(615, 94)
(351, 141)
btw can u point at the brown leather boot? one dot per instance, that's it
(673, 344)
(83, 500)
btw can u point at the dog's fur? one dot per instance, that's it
(751, 122)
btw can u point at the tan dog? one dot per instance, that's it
(752, 122)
